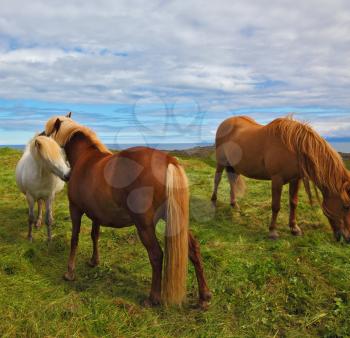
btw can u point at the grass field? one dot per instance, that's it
(293, 287)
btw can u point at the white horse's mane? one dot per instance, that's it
(36, 175)
(42, 161)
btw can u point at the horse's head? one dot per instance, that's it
(54, 124)
(51, 156)
(337, 209)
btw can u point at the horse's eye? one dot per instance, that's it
(346, 208)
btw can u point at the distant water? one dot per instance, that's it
(343, 147)
(161, 146)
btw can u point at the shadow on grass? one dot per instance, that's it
(246, 223)
(113, 278)
(126, 277)
(110, 279)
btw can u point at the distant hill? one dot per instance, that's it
(345, 156)
(198, 151)
(209, 150)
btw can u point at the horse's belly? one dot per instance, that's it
(111, 216)
(121, 221)
(40, 187)
(258, 176)
(256, 171)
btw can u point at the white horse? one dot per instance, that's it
(36, 176)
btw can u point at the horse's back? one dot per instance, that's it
(142, 169)
(232, 125)
(240, 143)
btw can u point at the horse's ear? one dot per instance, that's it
(57, 125)
(37, 144)
(69, 115)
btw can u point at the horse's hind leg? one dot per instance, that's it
(48, 216)
(155, 254)
(217, 179)
(196, 259)
(277, 185)
(95, 234)
(293, 203)
(40, 214)
(232, 178)
(31, 217)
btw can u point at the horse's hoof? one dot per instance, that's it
(234, 205)
(296, 232)
(148, 303)
(92, 263)
(273, 235)
(38, 224)
(207, 296)
(30, 239)
(203, 305)
(69, 276)
(337, 236)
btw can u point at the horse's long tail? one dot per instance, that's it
(176, 236)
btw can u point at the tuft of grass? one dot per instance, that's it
(293, 287)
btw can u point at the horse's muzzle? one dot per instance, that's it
(66, 177)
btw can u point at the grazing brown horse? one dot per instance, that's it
(136, 186)
(284, 151)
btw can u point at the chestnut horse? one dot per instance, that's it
(284, 151)
(135, 186)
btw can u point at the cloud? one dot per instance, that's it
(224, 55)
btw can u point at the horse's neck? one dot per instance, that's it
(36, 166)
(77, 146)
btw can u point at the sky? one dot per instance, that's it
(153, 72)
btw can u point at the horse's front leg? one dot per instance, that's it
(48, 216)
(40, 214)
(277, 184)
(196, 259)
(293, 203)
(31, 204)
(95, 234)
(75, 215)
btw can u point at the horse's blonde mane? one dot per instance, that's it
(68, 128)
(46, 148)
(318, 161)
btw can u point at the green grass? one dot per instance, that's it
(293, 287)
